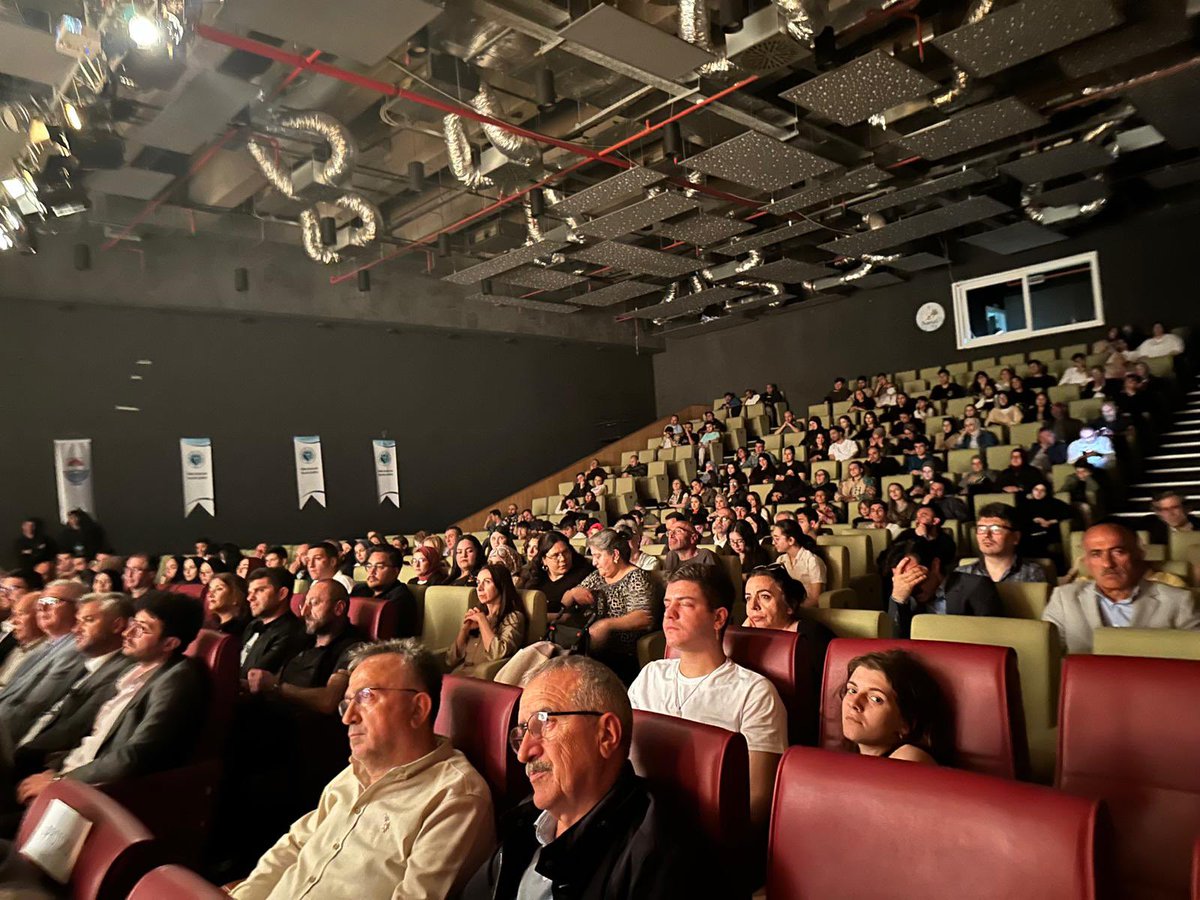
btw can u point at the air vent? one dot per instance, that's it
(763, 45)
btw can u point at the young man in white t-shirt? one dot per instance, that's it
(703, 685)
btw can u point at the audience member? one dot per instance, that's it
(998, 535)
(946, 389)
(1019, 477)
(702, 684)
(276, 558)
(1172, 517)
(383, 583)
(138, 576)
(323, 563)
(56, 619)
(274, 635)
(798, 557)
(1094, 447)
(225, 602)
(409, 817)
(919, 585)
(591, 823)
(1119, 594)
(634, 468)
(557, 569)
(841, 446)
(428, 565)
(30, 640)
(469, 558)
(1047, 452)
(1160, 343)
(745, 544)
(492, 631)
(682, 539)
(892, 707)
(1077, 374)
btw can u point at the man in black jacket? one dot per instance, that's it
(919, 585)
(275, 635)
(591, 831)
(383, 574)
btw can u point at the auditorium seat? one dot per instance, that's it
(787, 660)
(852, 623)
(477, 716)
(174, 883)
(296, 604)
(534, 604)
(118, 850)
(702, 772)
(444, 610)
(195, 590)
(1164, 643)
(1039, 659)
(981, 685)
(378, 618)
(1196, 870)
(183, 824)
(848, 826)
(1128, 735)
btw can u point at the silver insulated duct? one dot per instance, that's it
(518, 149)
(695, 27)
(458, 152)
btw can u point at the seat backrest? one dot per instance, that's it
(852, 623)
(535, 613)
(221, 655)
(837, 565)
(786, 659)
(477, 716)
(984, 838)
(378, 618)
(175, 883)
(858, 551)
(1124, 737)
(701, 771)
(117, 851)
(296, 604)
(1163, 643)
(1023, 599)
(981, 686)
(444, 611)
(194, 590)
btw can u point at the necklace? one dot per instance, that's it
(679, 704)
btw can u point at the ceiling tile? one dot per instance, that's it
(860, 88)
(759, 161)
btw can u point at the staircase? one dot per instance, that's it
(1174, 464)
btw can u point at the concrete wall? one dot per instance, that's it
(1147, 265)
(474, 416)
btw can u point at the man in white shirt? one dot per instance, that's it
(703, 685)
(801, 563)
(322, 564)
(1162, 343)
(1078, 373)
(841, 447)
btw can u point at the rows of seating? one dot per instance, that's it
(974, 827)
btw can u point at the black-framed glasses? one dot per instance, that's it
(541, 725)
(994, 530)
(366, 697)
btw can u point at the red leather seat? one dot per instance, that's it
(182, 824)
(785, 659)
(118, 850)
(702, 771)
(477, 716)
(1129, 735)
(848, 826)
(981, 686)
(1196, 871)
(175, 883)
(195, 589)
(378, 618)
(297, 604)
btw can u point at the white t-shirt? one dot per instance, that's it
(1167, 345)
(807, 567)
(843, 449)
(728, 697)
(1075, 376)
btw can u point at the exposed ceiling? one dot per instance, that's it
(681, 165)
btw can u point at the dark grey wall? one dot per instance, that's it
(474, 417)
(1148, 272)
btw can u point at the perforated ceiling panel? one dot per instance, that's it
(1078, 192)
(789, 271)
(504, 262)
(740, 245)
(201, 110)
(362, 30)
(869, 84)
(918, 262)
(639, 215)
(855, 181)
(704, 230)
(759, 161)
(613, 33)
(524, 303)
(927, 188)
(1162, 24)
(541, 279)
(615, 293)
(876, 280)
(1015, 238)
(638, 259)
(921, 225)
(1174, 176)
(1058, 162)
(692, 303)
(972, 128)
(608, 192)
(1007, 37)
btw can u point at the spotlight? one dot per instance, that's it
(673, 140)
(83, 257)
(544, 88)
(72, 116)
(537, 202)
(15, 187)
(38, 132)
(364, 280)
(416, 176)
(241, 280)
(144, 32)
(328, 231)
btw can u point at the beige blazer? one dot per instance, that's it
(1075, 611)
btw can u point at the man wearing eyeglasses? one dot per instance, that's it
(383, 583)
(591, 830)
(138, 576)
(13, 586)
(997, 533)
(56, 618)
(408, 818)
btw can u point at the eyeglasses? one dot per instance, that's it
(366, 697)
(541, 725)
(558, 556)
(372, 567)
(994, 530)
(48, 601)
(135, 569)
(135, 628)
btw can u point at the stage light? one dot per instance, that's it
(145, 32)
(71, 114)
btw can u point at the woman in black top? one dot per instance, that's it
(764, 472)
(82, 536)
(745, 543)
(469, 558)
(556, 569)
(225, 603)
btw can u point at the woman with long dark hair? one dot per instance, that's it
(745, 543)
(491, 631)
(892, 706)
(469, 558)
(555, 568)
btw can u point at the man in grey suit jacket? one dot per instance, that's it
(154, 717)
(1119, 596)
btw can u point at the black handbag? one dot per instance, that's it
(570, 632)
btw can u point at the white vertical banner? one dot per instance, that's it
(310, 470)
(386, 480)
(195, 455)
(73, 475)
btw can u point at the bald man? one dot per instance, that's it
(1118, 595)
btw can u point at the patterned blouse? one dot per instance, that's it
(632, 593)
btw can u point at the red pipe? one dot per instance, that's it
(552, 177)
(199, 164)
